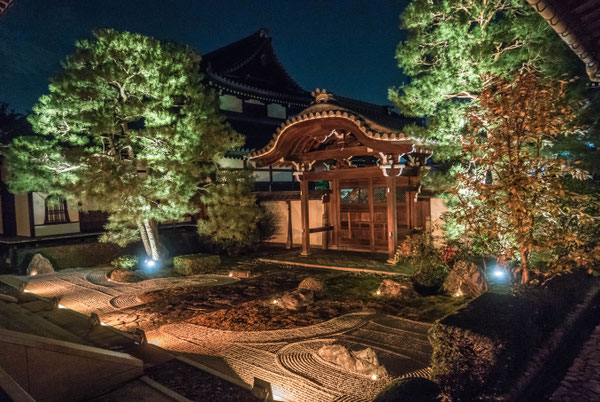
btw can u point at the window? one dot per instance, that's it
(230, 103)
(275, 110)
(56, 211)
(354, 195)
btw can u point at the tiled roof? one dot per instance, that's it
(578, 24)
(251, 65)
(378, 123)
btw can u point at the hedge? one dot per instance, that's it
(410, 389)
(483, 348)
(71, 256)
(193, 264)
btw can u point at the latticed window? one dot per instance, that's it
(56, 211)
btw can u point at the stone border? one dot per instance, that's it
(331, 267)
(552, 344)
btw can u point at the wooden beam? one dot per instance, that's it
(321, 229)
(331, 154)
(304, 210)
(353, 173)
(392, 218)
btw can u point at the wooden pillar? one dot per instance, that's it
(304, 216)
(290, 239)
(392, 217)
(372, 214)
(325, 223)
(336, 212)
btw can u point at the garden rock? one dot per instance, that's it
(362, 362)
(297, 299)
(396, 289)
(240, 273)
(39, 265)
(465, 279)
(312, 284)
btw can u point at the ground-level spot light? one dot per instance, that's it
(27, 291)
(378, 292)
(274, 301)
(34, 273)
(61, 306)
(262, 390)
(499, 273)
(374, 377)
(139, 337)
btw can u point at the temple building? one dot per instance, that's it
(337, 172)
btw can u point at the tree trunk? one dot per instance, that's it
(144, 237)
(152, 233)
(524, 266)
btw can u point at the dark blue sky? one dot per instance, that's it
(345, 46)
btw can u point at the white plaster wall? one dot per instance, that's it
(22, 215)
(437, 209)
(57, 229)
(315, 216)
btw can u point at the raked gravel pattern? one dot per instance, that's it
(288, 358)
(582, 381)
(90, 291)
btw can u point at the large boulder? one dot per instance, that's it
(39, 265)
(297, 299)
(362, 362)
(397, 289)
(465, 279)
(313, 285)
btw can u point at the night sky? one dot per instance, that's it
(345, 46)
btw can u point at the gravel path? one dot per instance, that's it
(582, 381)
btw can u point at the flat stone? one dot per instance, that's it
(7, 298)
(240, 273)
(297, 299)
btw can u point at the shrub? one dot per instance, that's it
(71, 255)
(129, 262)
(235, 222)
(193, 264)
(127, 276)
(410, 389)
(429, 273)
(479, 352)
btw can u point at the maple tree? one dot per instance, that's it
(511, 194)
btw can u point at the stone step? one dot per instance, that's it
(16, 318)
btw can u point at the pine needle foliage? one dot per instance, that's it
(235, 220)
(127, 128)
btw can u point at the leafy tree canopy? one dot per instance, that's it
(127, 128)
(456, 47)
(512, 197)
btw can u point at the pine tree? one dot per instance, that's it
(235, 220)
(127, 128)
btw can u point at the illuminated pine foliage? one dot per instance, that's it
(512, 194)
(127, 128)
(455, 47)
(235, 220)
